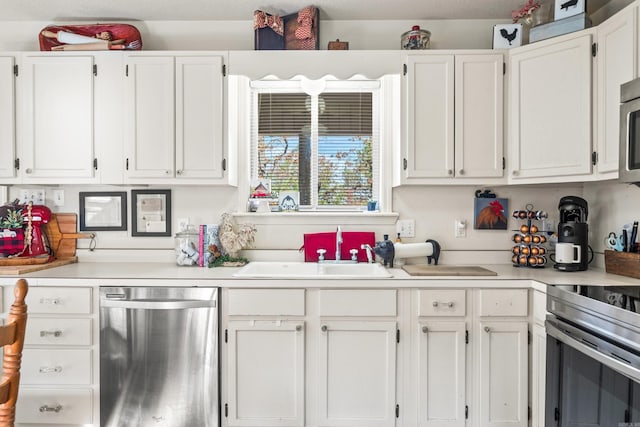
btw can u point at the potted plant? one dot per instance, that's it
(12, 232)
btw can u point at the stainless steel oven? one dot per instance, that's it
(593, 356)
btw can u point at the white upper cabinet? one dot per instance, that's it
(453, 118)
(616, 47)
(175, 118)
(57, 138)
(550, 109)
(7, 117)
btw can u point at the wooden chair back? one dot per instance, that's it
(12, 341)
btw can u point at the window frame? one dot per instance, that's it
(314, 88)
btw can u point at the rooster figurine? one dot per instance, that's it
(509, 36)
(492, 216)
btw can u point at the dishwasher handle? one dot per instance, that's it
(159, 304)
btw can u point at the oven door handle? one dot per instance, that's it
(157, 304)
(617, 364)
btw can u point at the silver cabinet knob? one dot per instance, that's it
(461, 172)
(515, 173)
(298, 328)
(324, 328)
(167, 172)
(425, 329)
(179, 172)
(28, 170)
(487, 329)
(450, 172)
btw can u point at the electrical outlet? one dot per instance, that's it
(37, 196)
(58, 197)
(460, 228)
(406, 227)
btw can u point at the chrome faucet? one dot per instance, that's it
(338, 242)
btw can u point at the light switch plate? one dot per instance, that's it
(406, 227)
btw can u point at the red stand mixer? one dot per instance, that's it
(35, 240)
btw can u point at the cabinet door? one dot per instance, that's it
(478, 116)
(441, 374)
(357, 374)
(550, 109)
(199, 117)
(58, 137)
(616, 63)
(266, 373)
(150, 116)
(502, 370)
(430, 109)
(7, 117)
(538, 375)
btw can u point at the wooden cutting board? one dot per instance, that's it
(14, 270)
(447, 270)
(62, 234)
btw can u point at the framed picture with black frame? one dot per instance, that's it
(151, 213)
(103, 211)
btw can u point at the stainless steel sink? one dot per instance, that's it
(309, 270)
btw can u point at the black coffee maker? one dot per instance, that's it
(573, 234)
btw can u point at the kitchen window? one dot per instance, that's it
(319, 138)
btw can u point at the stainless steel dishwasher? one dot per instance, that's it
(159, 357)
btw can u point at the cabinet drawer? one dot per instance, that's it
(48, 300)
(379, 302)
(54, 406)
(56, 366)
(503, 302)
(52, 331)
(442, 302)
(266, 302)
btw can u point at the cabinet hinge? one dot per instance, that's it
(594, 158)
(95, 163)
(528, 412)
(397, 335)
(504, 164)
(95, 69)
(224, 70)
(226, 410)
(126, 70)
(627, 416)
(466, 337)
(16, 164)
(528, 337)
(504, 68)
(404, 164)
(15, 70)
(127, 164)
(404, 69)
(556, 414)
(226, 335)
(397, 411)
(466, 412)
(594, 49)
(224, 164)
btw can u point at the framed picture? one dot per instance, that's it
(289, 201)
(567, 8)
(489, 213)
(151, 213)
(103, 211)
(506, 36)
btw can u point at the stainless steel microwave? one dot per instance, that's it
(630, 131)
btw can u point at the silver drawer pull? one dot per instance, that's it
(47, 408)
(448, 304)
(50, 333)
(50, 369)
(50, 301)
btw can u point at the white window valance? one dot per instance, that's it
(314, 64)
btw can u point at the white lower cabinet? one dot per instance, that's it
(266, 372)
(59, 371)
(375, 357)
(469, 358)
(357, 373)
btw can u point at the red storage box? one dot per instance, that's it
(327, 241)
(130, 36)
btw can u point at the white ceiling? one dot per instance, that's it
(167, 10)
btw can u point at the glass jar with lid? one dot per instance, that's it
(186, 247)
(416, 39)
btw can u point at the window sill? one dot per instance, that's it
(318, 218)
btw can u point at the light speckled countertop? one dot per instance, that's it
(167, 274)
